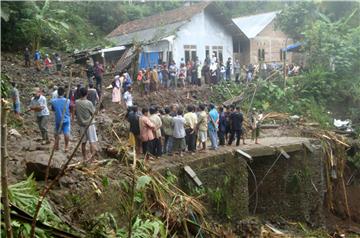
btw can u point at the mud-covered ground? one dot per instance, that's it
(110, 119)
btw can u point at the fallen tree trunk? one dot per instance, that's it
(25, 217)
(4, 164)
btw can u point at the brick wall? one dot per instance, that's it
(271, 41)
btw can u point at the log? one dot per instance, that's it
(4, 165)
(234, 100)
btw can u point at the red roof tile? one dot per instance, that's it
(165, 18)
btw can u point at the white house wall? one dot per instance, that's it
(203, 30)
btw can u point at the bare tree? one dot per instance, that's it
(4, 164)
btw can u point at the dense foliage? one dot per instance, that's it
(331, 34)
(70, 25)
(84, 24)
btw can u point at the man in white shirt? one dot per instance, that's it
(55, 92)
(128, 99)
(38, 104)
(190, 124)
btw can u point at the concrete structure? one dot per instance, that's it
(185, 33)
(289, 187)
(264, 41)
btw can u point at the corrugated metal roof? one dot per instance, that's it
(254, 24)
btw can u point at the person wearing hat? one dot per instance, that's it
(38, 104)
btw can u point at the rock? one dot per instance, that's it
(36, 162)
(66, 181)
(15, 133)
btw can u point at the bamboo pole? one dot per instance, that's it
(49, 186)
(60, 126)
(4, 164)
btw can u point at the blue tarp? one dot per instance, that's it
(148, 59)
(293, 47)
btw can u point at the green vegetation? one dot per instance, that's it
(331, 33)
(5, 85)
(77, 25)
(68, 26)
(331, 81)
(25, 196)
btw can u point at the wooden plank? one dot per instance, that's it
(193, 175)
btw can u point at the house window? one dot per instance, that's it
(218, 52)
(261, 55)
(207, 51)
(282, 55)
(190, 52)
(169, 57)
(161, 57)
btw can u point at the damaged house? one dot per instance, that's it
(263, 41)
(186, 33)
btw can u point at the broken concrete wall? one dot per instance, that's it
(292, 189)
(225, 185)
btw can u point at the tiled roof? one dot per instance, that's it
(254, 24)
(165, 18)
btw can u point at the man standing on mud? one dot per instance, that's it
(58, 105)
(146, 133)
(128, 99)
(213, 126)
(236, 120)
(202, 127)
(98, 72)
(190, 124)
(37, 58)
(84, 111)
(27, 57)
(168, 127)
(156, 120)
(15, 99)
(38, 104)
(133, 118)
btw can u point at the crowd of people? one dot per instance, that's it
(158, 131)
(264, 70)
(171, 76)
(49, 64)
(84, 110)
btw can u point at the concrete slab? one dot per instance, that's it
(268, 146)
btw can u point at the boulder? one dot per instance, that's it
(36, 163)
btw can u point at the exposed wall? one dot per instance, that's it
(271, 41)
(293, 188)
(203, 30)
(225, 179)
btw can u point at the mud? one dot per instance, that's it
(78, 200)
